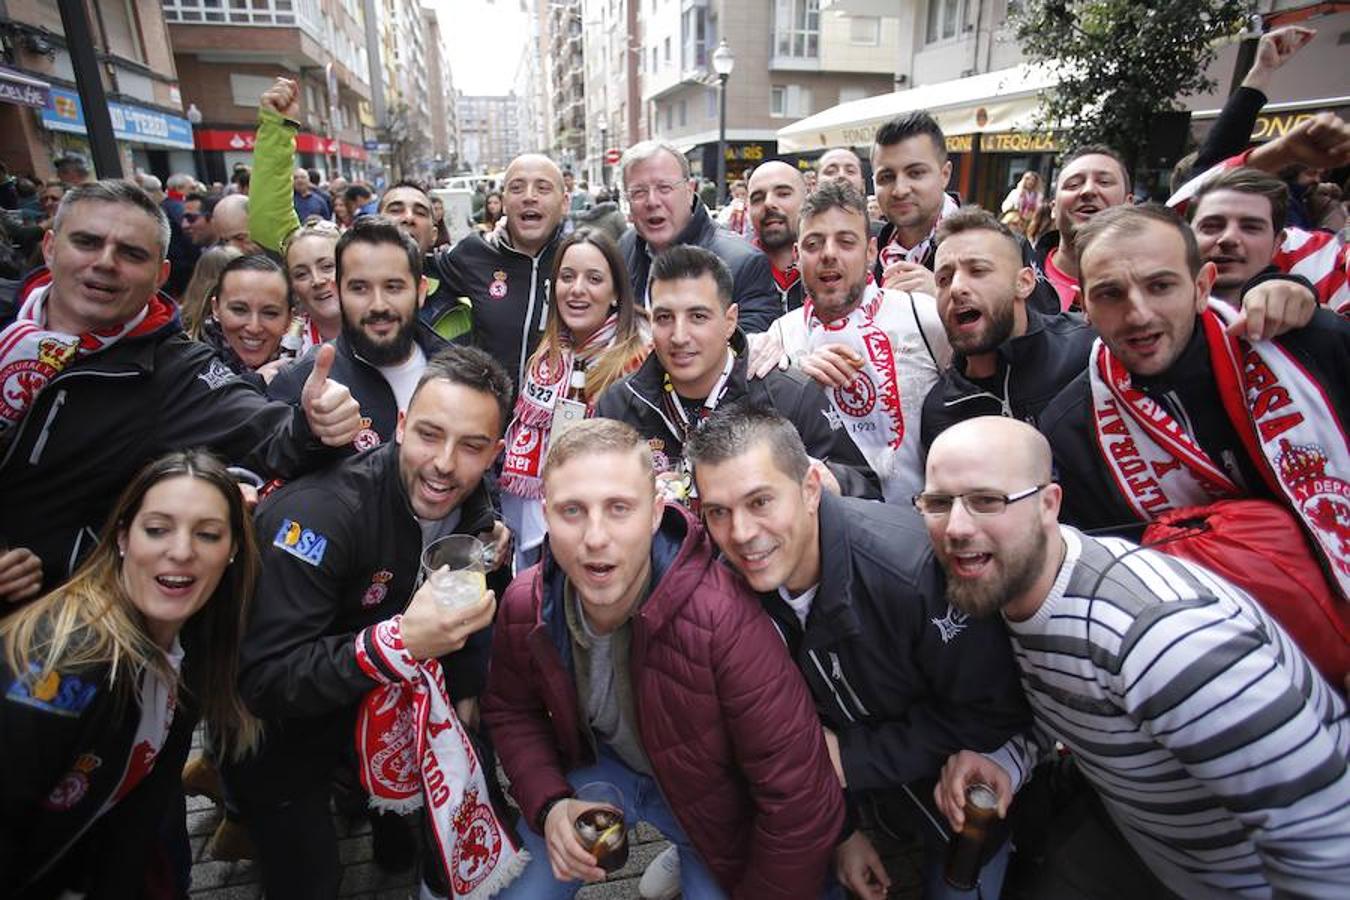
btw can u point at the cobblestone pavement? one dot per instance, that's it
(362, 878)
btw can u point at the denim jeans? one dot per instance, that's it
(642, 801)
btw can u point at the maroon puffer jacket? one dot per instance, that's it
(723, 714)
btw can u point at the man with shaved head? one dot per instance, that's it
(842, 164)
(505, 274)
(229, 218)
(1215, 753)
(776, 192)
(847, 582)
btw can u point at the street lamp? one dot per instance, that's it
(194, 117)
(603, 125)
(723, 61)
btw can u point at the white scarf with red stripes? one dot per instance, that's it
(412, 750)
(1282, 415)
(870, 404)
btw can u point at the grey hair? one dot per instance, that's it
(115, 190)
(149, 182)
(645, 150)
(181, 181)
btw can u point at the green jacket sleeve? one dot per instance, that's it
(271, 203)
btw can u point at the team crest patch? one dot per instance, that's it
(378, 590)
(833, 418)
(65, 695)
(858, 398)
(660, 462)
(952, 624)
(497, 289)
(478, 844)
(22, 379)
(216, 375)
(1323, 499)
(300, 542)
(367, 437)
(72, 787)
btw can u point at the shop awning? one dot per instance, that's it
(1005, 100)
(136, 124)
(24, 89)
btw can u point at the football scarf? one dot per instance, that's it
(528, 435)
(1280, 412)
(894, 253)
(32, 354)
(870, 404)
(412, 751)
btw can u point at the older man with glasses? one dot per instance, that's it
(665, 211)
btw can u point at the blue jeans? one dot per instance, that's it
(642, 801)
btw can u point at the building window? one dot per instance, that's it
(670, 111)
(695, 37)
(233, 12)
(711, 111)
(789, 101)
(864, 31)
(797, 28)
(667, 54)
(654, 61)
(944, 19)
(683, 117)
(849, 94)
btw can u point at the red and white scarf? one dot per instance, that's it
(32, 354)
(412, 750)
(1282, 415)
(870, 404)
(527, 437)
(893, 253)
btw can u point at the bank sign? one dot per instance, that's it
(130, 123)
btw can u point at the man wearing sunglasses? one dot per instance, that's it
(848, 583)
(1214, 752)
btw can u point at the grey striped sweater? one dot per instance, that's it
(1216, 747)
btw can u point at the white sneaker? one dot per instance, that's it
(661, 881)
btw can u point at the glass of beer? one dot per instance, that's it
(454, 567)
(967, 849)
(602, 829)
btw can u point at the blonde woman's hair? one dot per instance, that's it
(196, 298)
(90, 621)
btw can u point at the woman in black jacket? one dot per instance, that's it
(248, 314)
(105, 678)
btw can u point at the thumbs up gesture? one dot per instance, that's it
(333, 413)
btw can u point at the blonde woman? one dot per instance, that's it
(595, 335)
(105, 678)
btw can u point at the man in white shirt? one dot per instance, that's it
(876, 351)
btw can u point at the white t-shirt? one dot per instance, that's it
(801, 604)
(403, 377)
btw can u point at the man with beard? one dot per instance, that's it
(506, 273)
(384, 346)
(846, 582)
(1175, 410)
(876, 352)
(665, 212)
(1215, 753)
(776, 192)
(339, 581)
(1008, 359)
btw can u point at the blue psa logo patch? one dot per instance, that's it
(300, 542)
(65, 695)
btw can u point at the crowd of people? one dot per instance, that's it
(799, 521)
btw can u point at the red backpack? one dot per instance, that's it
(1260, 547)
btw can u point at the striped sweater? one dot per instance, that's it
(1215, 746)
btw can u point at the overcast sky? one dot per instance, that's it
(484, 39)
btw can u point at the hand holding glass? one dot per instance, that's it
(454, 566)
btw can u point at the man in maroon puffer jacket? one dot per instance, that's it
(630, 656)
